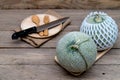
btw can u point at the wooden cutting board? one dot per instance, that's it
(99, 55)
(34, 39)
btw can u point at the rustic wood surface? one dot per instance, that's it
(60, 4)
(20, 61)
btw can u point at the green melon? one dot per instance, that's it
(76, 52)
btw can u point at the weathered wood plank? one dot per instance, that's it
(111, 57)
(67, 4)
(6, 41)
(46, 56)
(20, 61)
(54, 72)
(27, 56)
(11, 19)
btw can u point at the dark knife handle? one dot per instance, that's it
(24, 33)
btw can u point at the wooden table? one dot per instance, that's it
(20, 61)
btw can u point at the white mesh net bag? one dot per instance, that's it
(102, 28)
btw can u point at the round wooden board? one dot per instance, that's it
(27, 23)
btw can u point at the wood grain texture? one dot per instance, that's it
(20, 61)
(37, 63)
(46, 57)
(52, 72)
(76, 16)
(60, 4)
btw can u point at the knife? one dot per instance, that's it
(35, 29)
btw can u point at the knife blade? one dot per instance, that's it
(34, 29)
